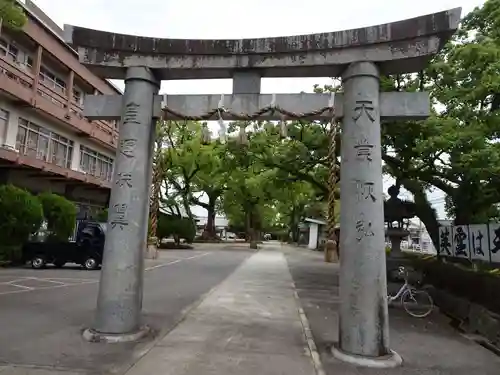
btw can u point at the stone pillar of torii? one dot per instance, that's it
(359, 56)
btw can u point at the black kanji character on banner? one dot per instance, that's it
(496, 241)
(477, 241)
(445, 245)
(460, 238)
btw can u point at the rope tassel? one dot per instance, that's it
(206, 136)
(242, 136)
(222, 135)
(222, 126)
(332, 185)
(222, 129)
(283, 128)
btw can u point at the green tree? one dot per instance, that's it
(178, 228)
(249, 191)
(456, 150)
(12, 15)
(60, 215)
(20, 216)
(294, 201)
(211, 181)
(302, 155)
(181, 154)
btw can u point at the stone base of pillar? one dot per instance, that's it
(331, 255)
(91, 335)
(391, 360)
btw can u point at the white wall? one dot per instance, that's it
(8, 137)
(220, 221)
(313, 236)
(426, 244)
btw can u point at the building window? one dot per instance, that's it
(4, 123)
(96, 164)
(8, 50)
(62, 150)
(43, 144)
(15, 55)
(51, 80)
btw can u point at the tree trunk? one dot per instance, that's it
(424, 210)
(177, 240)
(187, 207)
(294, 225)
(295, 233)
(248, 226)
(462, 213)
(210, 229)
(253, 237)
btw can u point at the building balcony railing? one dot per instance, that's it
(52, 167)
(13, 77)
(19, 83)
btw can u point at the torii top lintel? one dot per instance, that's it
(397, 47)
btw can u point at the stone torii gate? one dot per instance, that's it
(359, 56)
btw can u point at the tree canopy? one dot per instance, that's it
(273, 182)
(12, 15)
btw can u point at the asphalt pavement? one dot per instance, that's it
(43, 312)
(216, 310)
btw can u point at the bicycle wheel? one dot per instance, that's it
(417, 303)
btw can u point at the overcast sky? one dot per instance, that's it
(201, 19)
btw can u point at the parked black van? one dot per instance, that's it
(86, 249)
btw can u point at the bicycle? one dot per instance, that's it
(416, 302)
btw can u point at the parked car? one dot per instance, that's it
(86, 250)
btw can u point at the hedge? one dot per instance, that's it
(177, 227)
(481, 287)
(21, 215)
(60, 214)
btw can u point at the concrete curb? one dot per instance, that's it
(306, 327)
(311, 344)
